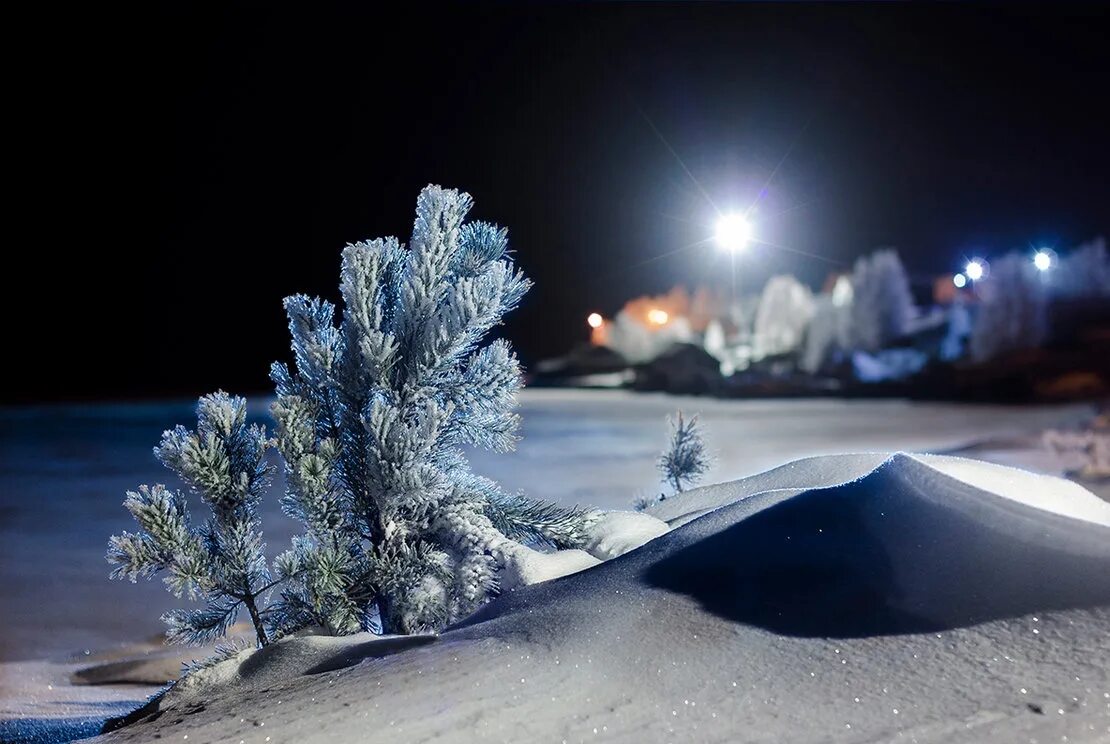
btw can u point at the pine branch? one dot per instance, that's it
(224, 560)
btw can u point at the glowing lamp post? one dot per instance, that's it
(733, 233)
(960, 281)
(594, 320)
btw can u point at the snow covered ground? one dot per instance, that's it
(660, 660)
(906, 603)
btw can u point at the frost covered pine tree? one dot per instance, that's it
(372, 418)
(223, 562)
(882, 305)
(1084, 273)
(1012, 311)
(785, 309)
(828, 332)
(686, 459)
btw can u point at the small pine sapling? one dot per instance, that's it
(223, 562)
(686, 459)
(372, 418)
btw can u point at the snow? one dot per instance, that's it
(901, 603)
(531, 566)
(1039, 491)
(628, 647)
(887, 364)
(618, 532)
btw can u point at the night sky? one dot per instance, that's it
(192, 164)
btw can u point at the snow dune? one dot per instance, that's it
(845, 598)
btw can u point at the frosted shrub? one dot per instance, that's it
(372, 418)
(221, 563)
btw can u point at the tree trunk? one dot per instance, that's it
(259, 628)
(388, 626)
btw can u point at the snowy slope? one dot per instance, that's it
(901, 598)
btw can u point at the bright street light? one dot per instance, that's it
(974, 270)
(1043, 259)
(733, 232)
(960, 281)
(594, 320)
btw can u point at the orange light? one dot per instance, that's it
(656, 316)
(594, 320)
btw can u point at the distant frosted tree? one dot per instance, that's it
(372, 418)
(638, 342)
(714, 339)
(785, 310)
(223, 561)
(882, 305)
(1082, 273)
(1012, 311)
(686, 459)
(829, 330)
(958, 330)
(716, 345)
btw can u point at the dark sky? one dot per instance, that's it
(191, 164)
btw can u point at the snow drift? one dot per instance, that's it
(907, 547)
(856, 597)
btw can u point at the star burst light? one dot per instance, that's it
(733, 232)
(975, 270)
(1043, 259)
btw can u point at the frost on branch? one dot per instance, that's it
(221, 563)
(372, 417)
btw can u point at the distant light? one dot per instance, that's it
(594, 320)
(656, 316)
(733, 232)
(975, 270)
(1044, 259)
(960, 281)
